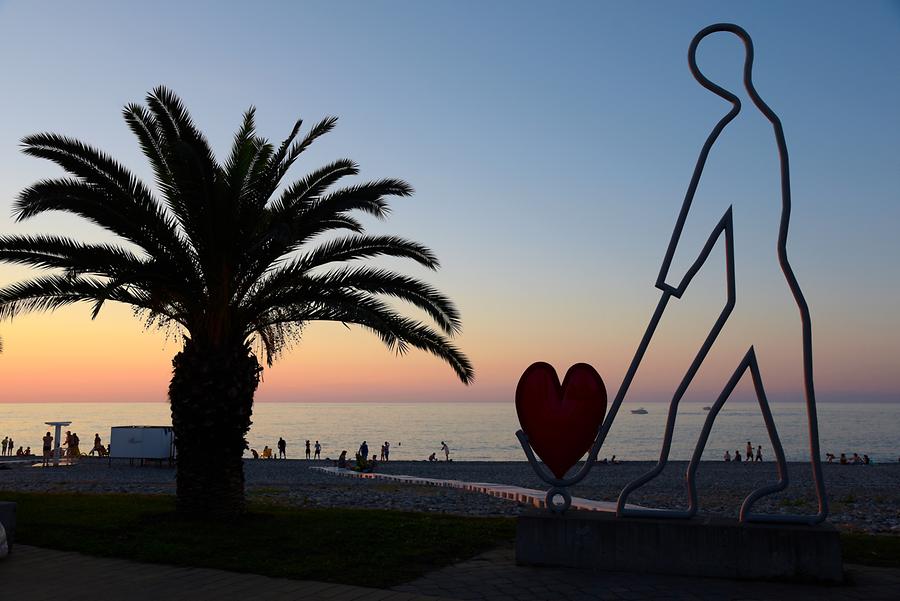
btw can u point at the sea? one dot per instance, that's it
(486, 431)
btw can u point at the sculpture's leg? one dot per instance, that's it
(725, 227)
(621, 510)
(746, 514)
(748, 362)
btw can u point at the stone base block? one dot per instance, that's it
(702, 546)
(8, 519)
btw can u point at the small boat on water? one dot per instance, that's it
(640, 411)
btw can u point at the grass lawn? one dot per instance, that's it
(348, 546)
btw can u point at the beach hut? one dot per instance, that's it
(142, 442)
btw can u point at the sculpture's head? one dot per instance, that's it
(748, 60)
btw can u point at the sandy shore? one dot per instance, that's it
(863, 498)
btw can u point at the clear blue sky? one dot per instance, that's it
(550, 145)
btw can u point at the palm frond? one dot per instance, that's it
(51, 292)
(362, 247)
(397, 333)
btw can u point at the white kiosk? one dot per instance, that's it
(142, 442)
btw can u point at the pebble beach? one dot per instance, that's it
(861, 498)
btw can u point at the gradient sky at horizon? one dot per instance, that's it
(550, 146)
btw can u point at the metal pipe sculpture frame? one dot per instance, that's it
(726, 227)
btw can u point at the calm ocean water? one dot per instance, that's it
(486, 431)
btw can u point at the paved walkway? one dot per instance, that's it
(493, 576)
(35, 574)
(527, 496)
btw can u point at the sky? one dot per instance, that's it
(550, 146)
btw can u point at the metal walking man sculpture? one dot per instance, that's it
(749, 362)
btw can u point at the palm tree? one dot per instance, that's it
(227, 260)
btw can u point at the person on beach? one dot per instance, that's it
(749, 454)
(829, 457)
(432, 457)
(9, 446)
(446, 450)
(363, 450)
(28, 451)
(843, 458)
(4, 445)
(737, 456)
(74, 449)
(387, 450)
(282, 447)
(267, 452)
(342, 460)
(856, 459)
(727, 456)
(318, 448)
(67, 442)
(48, 448)
(759, 453)
(866, 460)
(20, 452)
(308, 451)
(254, 453)
(98, 445)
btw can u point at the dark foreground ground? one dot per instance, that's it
(861, 498)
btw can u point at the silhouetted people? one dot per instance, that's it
(866, 459)
(749, 454)
(254, 453)
(98, 445)
(759, 453)
(829, 457)
(342, 460)
(3, 445)
(856, 459)
(363, 450)
(318, 448)
(9, 447)
(446, 450)
(737, 456)
(267, 452)
(727, 456)
(308, 451)
(67, 442)
(843, 459)
(432, 457)
(48, 448)
(282, 448)
(74, 450)
(20, 452)
(387, 450)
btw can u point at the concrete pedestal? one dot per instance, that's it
(702, 546)
(8, 519)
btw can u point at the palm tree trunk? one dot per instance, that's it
(211, 393)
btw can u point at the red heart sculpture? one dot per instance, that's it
(561, 422)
